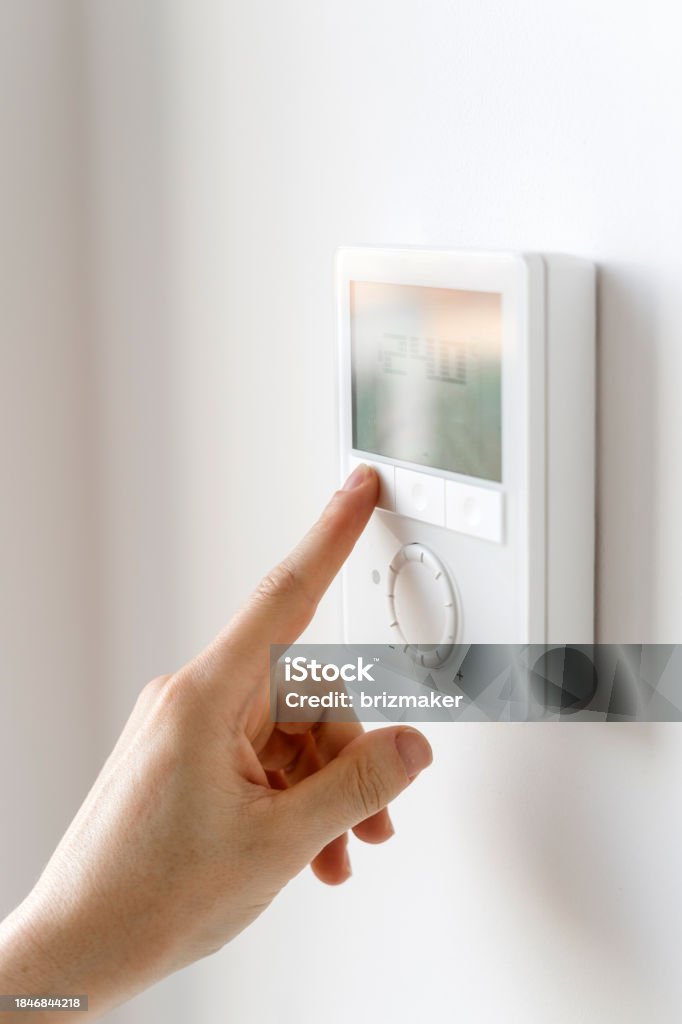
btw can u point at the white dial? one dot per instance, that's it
(422, 606)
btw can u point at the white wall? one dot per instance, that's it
(231, 147)
(48, 551)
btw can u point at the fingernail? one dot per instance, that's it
(390, 827)
(357, 477)
(415, 751)
(346, 864)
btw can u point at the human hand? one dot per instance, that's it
(205, 809)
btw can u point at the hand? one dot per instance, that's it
(206, 809)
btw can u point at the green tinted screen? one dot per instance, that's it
(426, 376)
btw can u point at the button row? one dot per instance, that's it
(476, 511)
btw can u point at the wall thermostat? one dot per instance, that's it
(467, 380)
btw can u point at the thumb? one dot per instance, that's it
(368, 773)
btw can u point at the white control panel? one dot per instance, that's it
(467, 379)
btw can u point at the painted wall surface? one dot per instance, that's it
(49, 682)
(228, 149)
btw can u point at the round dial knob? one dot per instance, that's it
(422, 606)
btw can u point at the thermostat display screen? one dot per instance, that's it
(426, 376)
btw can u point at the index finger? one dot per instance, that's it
(285, 600)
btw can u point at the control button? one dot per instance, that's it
(421, 605)
(386, 474)
(478, 511)
(471, 510)
(420, 496)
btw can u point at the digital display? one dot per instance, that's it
(426, 376)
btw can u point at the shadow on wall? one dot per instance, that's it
(627, 455)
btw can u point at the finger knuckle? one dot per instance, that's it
(151, 692)
(368, 788)
(154, 687)
(175, 700)
(279, 582)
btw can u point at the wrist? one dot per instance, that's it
(48, 948)
(28, 966)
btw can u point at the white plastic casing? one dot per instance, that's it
(519, 554)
